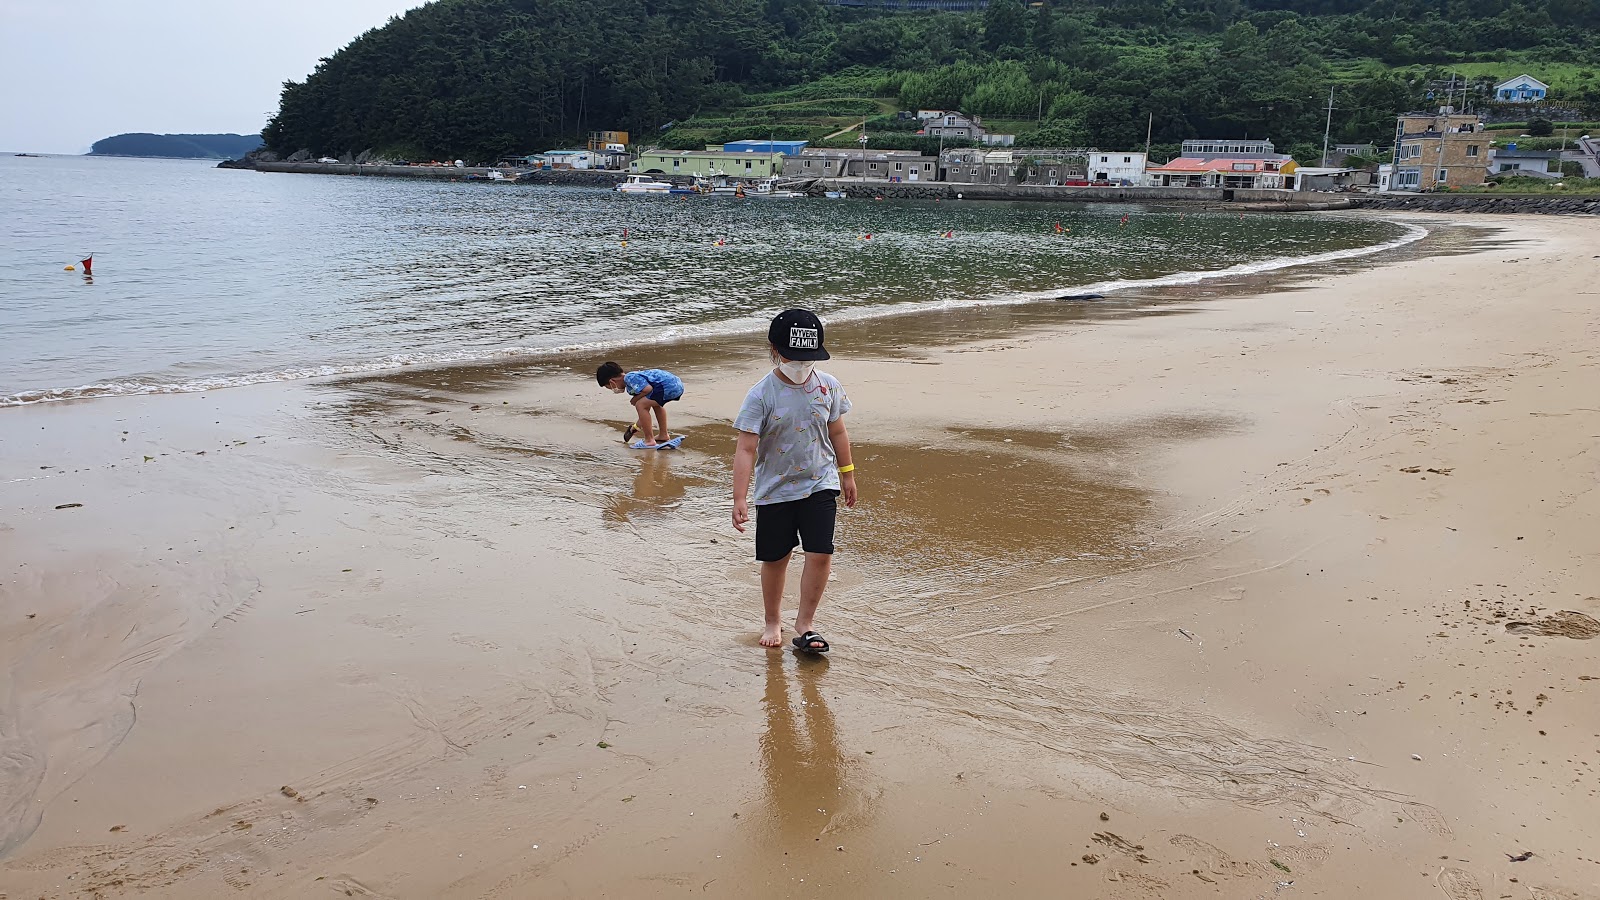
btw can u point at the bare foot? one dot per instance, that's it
(772, 636)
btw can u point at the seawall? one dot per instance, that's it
(582, 177)
(1232, 198)
(1538, 204)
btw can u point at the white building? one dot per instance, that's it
(1117, 167)
(570, 159)
(1521, 89)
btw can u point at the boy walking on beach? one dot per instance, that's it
(793, 445)
(649, 391)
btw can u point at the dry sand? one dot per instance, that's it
(1249, 590)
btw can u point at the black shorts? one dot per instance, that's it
(807, 522)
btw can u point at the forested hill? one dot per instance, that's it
(178, 146)
(475, 78)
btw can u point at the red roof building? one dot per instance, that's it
(1225, 172)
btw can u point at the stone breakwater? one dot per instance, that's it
(1543, 204)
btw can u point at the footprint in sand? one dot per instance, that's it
(1458, 885)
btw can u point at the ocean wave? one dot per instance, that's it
(742, 325)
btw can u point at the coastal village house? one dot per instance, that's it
(976, 166)
(570, 159)
(614, 141)
(888, 165)
(1263, 173)
(709, 163)
(1445, 150)
(1521, 89)
(1125, 169)
(1225, 163)
(1052, 167)
(1062, 167)
(951, 124)
(1537, 163)
(1341, 153)
(1214, 148)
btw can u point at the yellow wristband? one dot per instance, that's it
(849, 468)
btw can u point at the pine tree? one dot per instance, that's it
(1044, 30)
(1004, 25)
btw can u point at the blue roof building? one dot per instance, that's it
(787, 148)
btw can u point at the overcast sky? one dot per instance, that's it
(75, 71)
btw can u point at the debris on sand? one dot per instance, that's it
(1121, 845)
(70, 506)
(1524, 856)
(1566, 623)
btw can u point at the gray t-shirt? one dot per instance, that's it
(794, 458)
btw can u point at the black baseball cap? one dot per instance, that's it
(797, 335)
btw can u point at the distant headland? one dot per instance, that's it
(178, 146)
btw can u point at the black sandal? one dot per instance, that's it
(802, 644)
(628, 435)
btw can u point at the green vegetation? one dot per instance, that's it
(1533, 143)
(1574, 128)
(1523, 184)
(477, 78)
(178, 146)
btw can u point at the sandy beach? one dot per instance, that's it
(1279, 587)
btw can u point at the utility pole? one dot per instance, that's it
(863, 152)
(1149, 128)
(1327, 128)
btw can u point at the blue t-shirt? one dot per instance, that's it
(794, 457)
(663, 384)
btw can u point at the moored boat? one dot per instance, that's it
(768, 190)
(643, 184)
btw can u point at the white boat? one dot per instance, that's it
(768, 190)
(643, 184)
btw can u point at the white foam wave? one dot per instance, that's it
(743, 325)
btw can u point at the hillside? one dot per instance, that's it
(178, 146)
(477, 78)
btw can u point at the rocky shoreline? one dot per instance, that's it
(1540, 204)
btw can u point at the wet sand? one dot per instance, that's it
(1240, 590)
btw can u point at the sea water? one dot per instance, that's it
(207, 278)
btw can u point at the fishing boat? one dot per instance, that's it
(719, 186)
(768, 190)
(644, 184)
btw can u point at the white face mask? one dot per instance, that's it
(797, 372)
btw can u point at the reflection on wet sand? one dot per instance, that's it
(801, 764)
(953, 508)
(658, 489)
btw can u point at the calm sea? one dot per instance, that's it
(205, 278)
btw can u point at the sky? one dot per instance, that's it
(75, 71)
